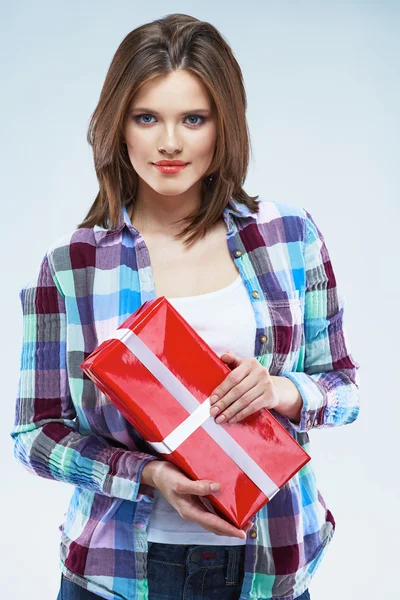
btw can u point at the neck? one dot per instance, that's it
(156, 213)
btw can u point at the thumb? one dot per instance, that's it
(201, 487)
(231, 358)
(206, 487)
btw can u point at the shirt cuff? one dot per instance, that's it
(314, 401)
(125, 476)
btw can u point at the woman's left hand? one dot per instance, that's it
(247, 389)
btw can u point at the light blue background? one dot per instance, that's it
(322, 80)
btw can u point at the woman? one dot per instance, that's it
(251, 276)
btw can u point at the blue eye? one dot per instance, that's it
(138, 119)
(196, 117)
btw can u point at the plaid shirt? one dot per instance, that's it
(65, 429)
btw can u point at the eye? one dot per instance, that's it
(202, 119)
(140, 116)
(139, 120)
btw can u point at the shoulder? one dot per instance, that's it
(62, 246)
(73, 250)
(287, 218)
(271, 209)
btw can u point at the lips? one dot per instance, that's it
(170, 163)
(170, 167)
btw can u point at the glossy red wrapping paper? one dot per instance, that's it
(155, 412)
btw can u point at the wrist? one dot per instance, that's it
(290, 401)
(149, 472)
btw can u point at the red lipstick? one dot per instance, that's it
(170, 166)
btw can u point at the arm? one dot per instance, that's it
(46, 440)
(327, 378)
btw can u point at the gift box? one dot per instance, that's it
(160, 373)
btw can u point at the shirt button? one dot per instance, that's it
(263, 339)
(253, 534)
(255, 294)
(237, 253)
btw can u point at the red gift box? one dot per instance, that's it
(160, 373)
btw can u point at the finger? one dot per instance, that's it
(228, 356)
(257, 404)
(201, 487)
(232, 379)
(198, 501)
(244, 403)
(231, 359)
(236, 393)
(211, 522)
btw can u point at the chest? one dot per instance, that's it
(127, 275)
(180, 271)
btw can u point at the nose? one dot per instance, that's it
(170, 141)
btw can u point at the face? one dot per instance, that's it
(172, 117)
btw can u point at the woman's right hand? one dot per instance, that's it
(182, 493)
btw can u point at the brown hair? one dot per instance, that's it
(176, 41)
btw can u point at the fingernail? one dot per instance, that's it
(214, 487)
(213, 398)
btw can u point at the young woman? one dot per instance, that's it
(252, 276)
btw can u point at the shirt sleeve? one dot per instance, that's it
(329, 382)
(45, 434)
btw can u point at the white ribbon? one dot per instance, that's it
(199, 415)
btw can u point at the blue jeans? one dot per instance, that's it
(178, 572)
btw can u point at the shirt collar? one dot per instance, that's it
(234, 207)
(101, 232)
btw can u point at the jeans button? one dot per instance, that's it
(195, 557)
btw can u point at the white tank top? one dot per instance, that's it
(225, 320)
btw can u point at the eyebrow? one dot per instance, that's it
(188, 112)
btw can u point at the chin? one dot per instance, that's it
(170, 188)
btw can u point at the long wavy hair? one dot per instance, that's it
(176, 41)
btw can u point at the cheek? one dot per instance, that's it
(207, 141)
(202, 150)
(139, 147)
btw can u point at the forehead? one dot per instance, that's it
(177, 90)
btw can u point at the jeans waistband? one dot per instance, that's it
(195, 557)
